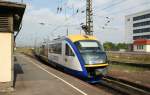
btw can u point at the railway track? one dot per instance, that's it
(124, 87)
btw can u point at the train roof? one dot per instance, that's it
(75, 38)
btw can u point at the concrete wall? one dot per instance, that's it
(6, 57)
(145, 49)
(148, 48)
(129, 29)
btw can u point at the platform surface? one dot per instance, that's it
(35, 78)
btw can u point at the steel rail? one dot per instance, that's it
(124, 87)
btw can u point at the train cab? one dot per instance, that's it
(93, 55)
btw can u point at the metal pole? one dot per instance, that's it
(89, 18)
(67, 32)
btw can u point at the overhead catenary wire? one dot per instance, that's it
(123, 10)
(79, 11)
(75, 13)
(111, 5)
(120, 11)
(108, 7)
(103, 9)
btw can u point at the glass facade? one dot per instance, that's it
(141, 17)
(143, 30)
(141, 37)
(141, 24)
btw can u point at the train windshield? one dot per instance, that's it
(91, 51)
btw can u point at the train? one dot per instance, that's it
(79, 55)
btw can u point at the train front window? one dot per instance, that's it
(91, 51)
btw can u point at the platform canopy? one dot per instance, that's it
(14, 9)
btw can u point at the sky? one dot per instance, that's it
(42, 21)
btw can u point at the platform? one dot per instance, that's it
(35, 78)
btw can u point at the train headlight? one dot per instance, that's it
(102, 71)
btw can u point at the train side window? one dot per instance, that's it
(55, 48)
(69, 52)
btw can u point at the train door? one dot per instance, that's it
(70, 60)
(69, 56)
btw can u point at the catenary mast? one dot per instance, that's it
(89, 18)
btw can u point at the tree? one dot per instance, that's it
(122, 46)
(109, 46)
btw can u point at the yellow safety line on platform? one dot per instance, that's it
(57, 77)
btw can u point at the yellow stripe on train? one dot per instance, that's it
(75, 38)
(96, 65)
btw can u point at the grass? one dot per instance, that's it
(126, 68)
(129, 58)
(24, 50)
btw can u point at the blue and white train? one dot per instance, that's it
(80, 55)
